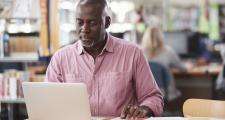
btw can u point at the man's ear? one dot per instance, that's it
(107, 21)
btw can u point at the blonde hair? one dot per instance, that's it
(152, 42)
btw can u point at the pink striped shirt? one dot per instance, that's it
(118, 76)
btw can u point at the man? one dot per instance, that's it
(117, 75)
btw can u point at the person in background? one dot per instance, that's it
(116, 73)
(156, 51)
(1, 86)
(199, 46)
(140, 24)
(220, 83)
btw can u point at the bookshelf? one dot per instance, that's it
(179, 16)
(66, 21)
(21, 57)
(19, 40)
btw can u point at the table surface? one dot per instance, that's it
(174, 118)
(161, 118)
(212, 69)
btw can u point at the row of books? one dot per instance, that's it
(11, 84)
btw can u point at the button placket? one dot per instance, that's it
(97, 63)
(95, 95)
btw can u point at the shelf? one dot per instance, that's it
(12, 59)
(18, 100)
(121, 27)
(31, 34)
(20, 18)
(21, 57)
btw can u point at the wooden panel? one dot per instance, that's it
(23, 44)
(44, 50)
(54, 26)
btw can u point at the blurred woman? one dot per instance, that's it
(220, 83)
(156, 51)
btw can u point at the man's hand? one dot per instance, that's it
(136, 112)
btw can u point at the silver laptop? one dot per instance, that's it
(56, 101)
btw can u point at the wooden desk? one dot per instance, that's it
(211, 69)
(210, 72)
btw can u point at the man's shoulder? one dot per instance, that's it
(122, 43)
(68, 49)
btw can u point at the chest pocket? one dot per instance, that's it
(116, 84)
(73, 78)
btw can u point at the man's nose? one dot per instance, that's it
(85, 28)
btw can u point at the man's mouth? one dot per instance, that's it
(87, 42)
(85, 38)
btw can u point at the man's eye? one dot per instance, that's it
(79, 22)
(93, 23)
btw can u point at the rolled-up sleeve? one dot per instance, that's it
(53, 73)
(148, 93)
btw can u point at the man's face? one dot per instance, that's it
(90, 24)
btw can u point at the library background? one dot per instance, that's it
(32, 30)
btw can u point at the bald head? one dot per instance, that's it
(102, 2)
(99, 3)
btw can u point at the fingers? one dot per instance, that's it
(125, 111)
(142, 113)
(136, 113)
(133, 112)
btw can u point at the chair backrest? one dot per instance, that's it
(161, 75)
(204, 108)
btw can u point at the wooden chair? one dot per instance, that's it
(204, 108)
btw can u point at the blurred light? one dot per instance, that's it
(121, 8)
(26, 28)
(2, 25)
(67, 27)
(120, 27)
(13, 28)
(67, 5)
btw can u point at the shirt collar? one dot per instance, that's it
(80, 48)
(109, 47)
